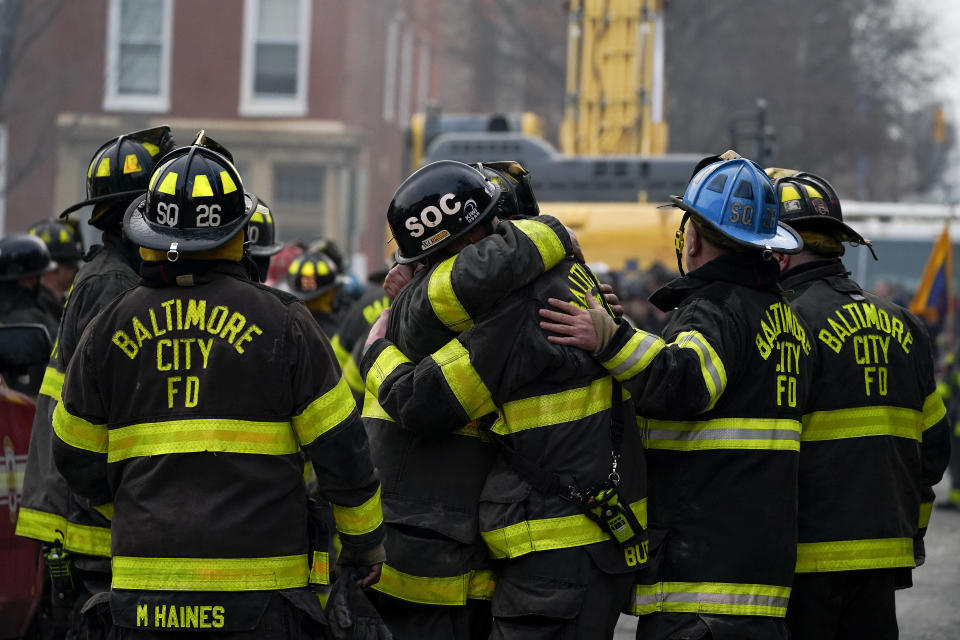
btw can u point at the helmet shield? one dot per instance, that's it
(736, 199)
(121, 167)
(195, 199)
(437, 204)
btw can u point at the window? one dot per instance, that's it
(298, 183)
(275, 54)
(138, 55)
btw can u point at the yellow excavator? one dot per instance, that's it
(612, 171)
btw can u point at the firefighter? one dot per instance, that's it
(261, 235)
(187, 406)
(438, 582)
(314, 277)
(348, 342)
(875, 434)
(24, 260)
(721, 395)
(65, 249)
(950, 392)
(77, 537)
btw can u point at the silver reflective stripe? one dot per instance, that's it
(646, 343)
(724, 434)
(709, 366)
(706, 597)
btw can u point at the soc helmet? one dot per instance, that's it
(437, 204)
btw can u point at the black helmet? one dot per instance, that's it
(809, 203)
(516, 192)
(60, 238)
(440, 202)
(195, 202)
(121, 167)
(262, 233)
(23, 256)
(312, 274)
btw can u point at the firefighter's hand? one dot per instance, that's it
(577, 251)
(612, 300)
(369, 575)
(397, 278)
(576, 325)
(378, 329)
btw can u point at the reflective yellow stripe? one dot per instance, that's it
(339, 351)
(471, 429)
(436, 590)
(852, 555)
(363, 518)
(202, 434)
(385, 364)
(49, 527)
(320, 569)
(555, 408)
(52, 384)
(711, 367)
(325, 413)
(723, 433)
(106, 510)
(925, 509)
(210, 574)
(351, 372)
(710, 597)
(635, 356)
(470, 391)
(954, 496)
(372, 408)
(933, 410)
(443, 299)
(943, 389)
(860, 422)
(544, 239)
(550, 533)
(79, 433)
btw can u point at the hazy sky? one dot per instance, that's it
(947, 14)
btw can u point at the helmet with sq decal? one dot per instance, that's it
(437, 204)
(194, 202)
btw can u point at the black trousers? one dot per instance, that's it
(693, 626)
(412, 621)
(843, 605)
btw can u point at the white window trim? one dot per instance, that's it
(406, 77)
(390, 67)
(250, 104)
(113, 101)
(423, 75)
(3, 178)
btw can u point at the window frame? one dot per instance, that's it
(250, 103)
(112, 99)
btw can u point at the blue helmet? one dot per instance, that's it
(736, 199)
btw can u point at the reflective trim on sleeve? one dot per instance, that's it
(711, 367)
(352, 374)
(926, 508)
(550, 533)
(79, 433)
(710, 598)
(320, 568)
(853, 555)
(555, 408)
(106, 510)
(436, 590)
(463, 380)
(52, 384)
(361, 519)
(372, 408)
(50, 527)
(443, 299)
(325, 413)
(210, 574)
(339, 350)
(860, 422)
(386, 363)
(201, 434)
(723, 433)
(635, 356)
(933, 410)
(544, 239)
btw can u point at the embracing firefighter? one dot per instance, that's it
(875, 433)
(187, 408)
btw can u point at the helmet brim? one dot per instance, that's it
(151, 236)
(828, 225)
(483, 217)
(784, 240)
(265, 251)
(97, 200)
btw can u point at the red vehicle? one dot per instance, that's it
(23, 350)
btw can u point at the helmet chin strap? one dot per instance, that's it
(678, 242)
